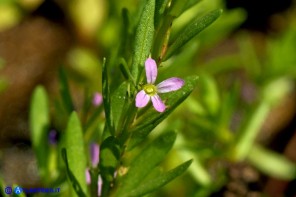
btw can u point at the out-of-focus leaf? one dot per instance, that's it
(272, 163)
(191, 3)
(281, 58)
(197, 169)
(276, 90)
(210, 94)
(10, 15)
(75, 184)
(221, 64)
(247, 136)
(84, 64)
(39, 125)
(191, 31)
(152, 118)
(145, 162)
(76, 157)
(65, 92)
(178, 7)
(144, 38)
(227, 23)
(160, 180)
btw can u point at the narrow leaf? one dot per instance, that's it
(177, 7)
(39, 124)
(75, 184)
(144, 38)
(147, 122)
(145, 162)
(161, 180)
(272, 163)
(75, 151)
(106, 98)
(191, 31)
(65, 91)
(210, 94)
(118, 100)
(247, 136)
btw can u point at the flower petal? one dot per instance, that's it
(157, 103)
(100, 183)
(87, 176)
(151, 70)
(170, 84)
(97, 99)
(142, 99)
(95, 154)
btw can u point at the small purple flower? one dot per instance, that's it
(100, 181)
(97, 99)
(94, 154)
(87, 176)
(53, 137)
(94, 150)
(150, 91)
(100, 184)
(95, 159)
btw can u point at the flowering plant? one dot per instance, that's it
(150, 90)
(98, 134)
(124, 127)
(132, 142)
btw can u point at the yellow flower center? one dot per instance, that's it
(150, 89)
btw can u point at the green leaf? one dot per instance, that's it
(145, 162)
(191, 31)
(118, 99)
(197, 170)
(272, 163)
(210, 94)
(106, 98)
(75, 184)
(74, 145)
(39, 125)
(160, 6)
(144, 38)
(160, 180)
(247, 136)
(65, 91)
(110, 153)
(109, 157)
(177, 7)
(148, 121)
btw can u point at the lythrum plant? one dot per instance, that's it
(124, 161)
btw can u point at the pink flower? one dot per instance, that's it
(150, 91)
(94, 150)
(97, 99)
